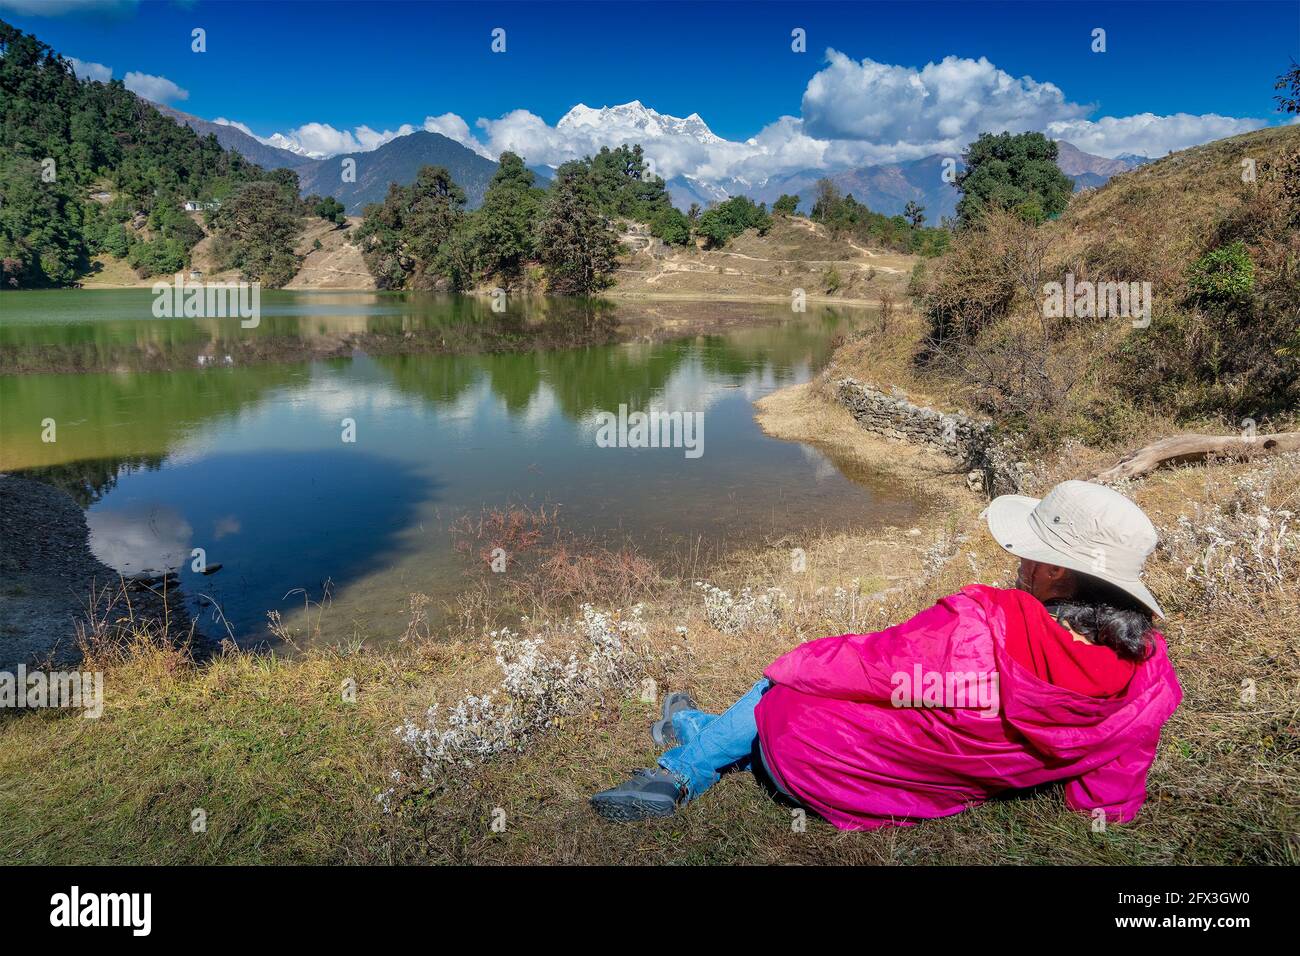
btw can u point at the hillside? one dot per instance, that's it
(1160, 214)
(1222, 345)
(888, 187)
(397, 161)
(89, 168)
(337, 264)
(233, 138)
(796, 253)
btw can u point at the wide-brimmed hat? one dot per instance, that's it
(1082, 526)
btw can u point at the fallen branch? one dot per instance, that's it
(1183, 449)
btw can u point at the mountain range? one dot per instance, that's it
(397, 161)
(886, 188)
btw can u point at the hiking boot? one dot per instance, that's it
(661, 731)
(649, 793)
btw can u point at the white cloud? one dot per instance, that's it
(453, 127)
(528, 135)
(90, 71)
(1147, 134)
(321, 140)
(780, 147)
(156, 88)
(242, 127)
(854, 113)
(938, 108)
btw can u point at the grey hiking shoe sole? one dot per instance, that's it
(624, 808)
(661, 731)
(649, 793)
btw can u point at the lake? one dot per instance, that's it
(336, 444)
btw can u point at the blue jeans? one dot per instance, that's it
(712, 743)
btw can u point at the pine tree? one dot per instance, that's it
(574, 239)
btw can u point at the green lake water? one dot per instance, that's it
(177, 434)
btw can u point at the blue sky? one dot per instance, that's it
(276, 66)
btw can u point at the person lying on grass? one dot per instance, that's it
(1062, 678)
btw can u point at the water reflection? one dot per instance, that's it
(455, 408)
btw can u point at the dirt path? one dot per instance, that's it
(795, 254)
(337, 264)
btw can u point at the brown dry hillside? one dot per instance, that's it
(337, 264)
(796, 253)
(1157, 218)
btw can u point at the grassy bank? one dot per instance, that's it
(342, 756)
(286, 768)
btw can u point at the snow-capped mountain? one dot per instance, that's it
(637, 118)
(280, 141)
(697, 165)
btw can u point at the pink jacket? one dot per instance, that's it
(834, 734)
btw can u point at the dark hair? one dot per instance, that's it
(1107, 616)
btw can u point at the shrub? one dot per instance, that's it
(977, 281)
(1213, 362)
(722, 222)
(539, 687)
(787, 205)
(1225, 275)
(672, 226)
(916, 284)
(157, 257)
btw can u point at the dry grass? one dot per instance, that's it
(289, 768)
(1150, 222)
(551, 569)
(263, 743)
(796, 253)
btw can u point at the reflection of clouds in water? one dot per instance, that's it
(336, 397)
(139, 538)
(542, 407)
(823, 467)
(290, 417)
(691, 387)
(226, 526)
(479, 408)
(463, 416)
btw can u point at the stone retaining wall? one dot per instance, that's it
(969, 441)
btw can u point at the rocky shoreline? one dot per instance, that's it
(50, 581)
(970, 442)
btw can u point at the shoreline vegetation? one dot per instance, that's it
(136, 196)
(481, 743)
(261, 741)
(539, 323)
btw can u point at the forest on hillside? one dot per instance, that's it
(89, 168)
